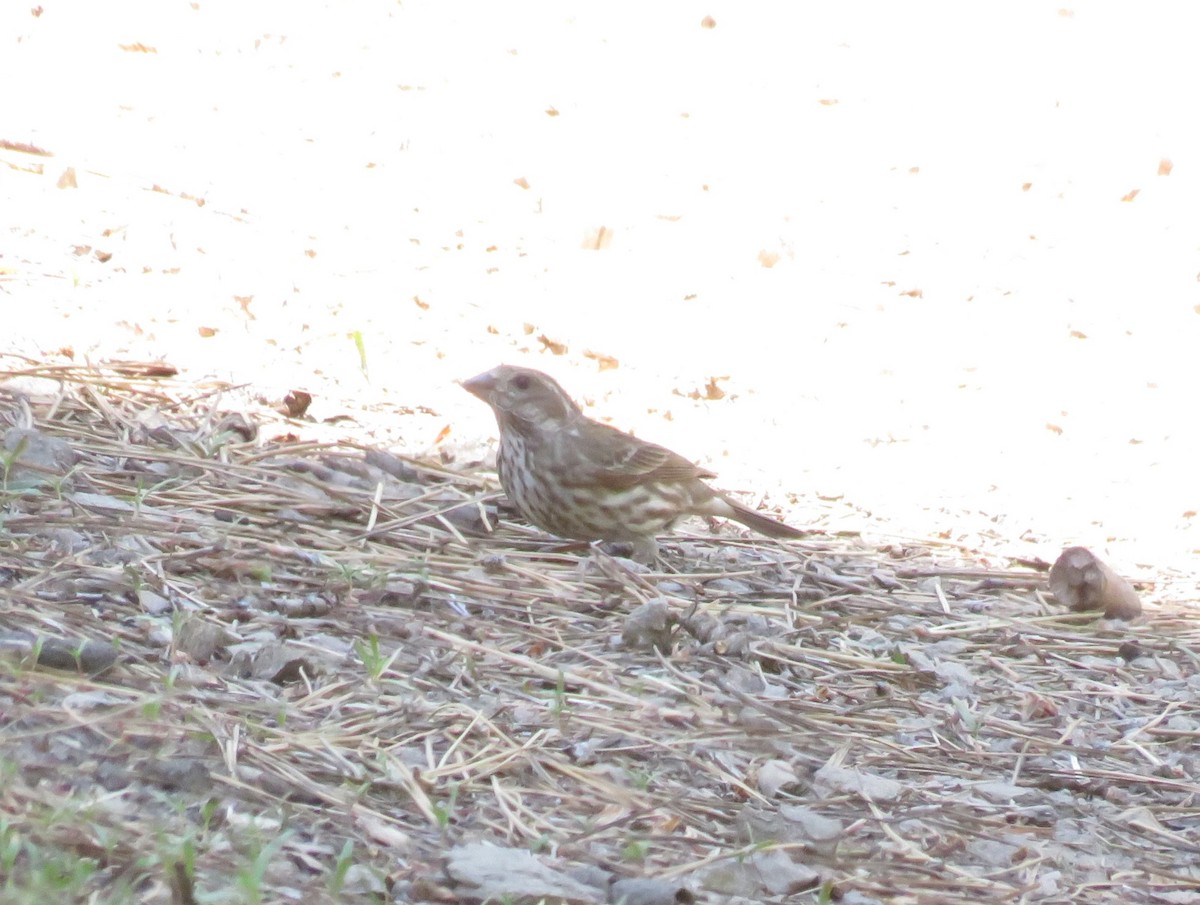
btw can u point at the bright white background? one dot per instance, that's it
(965, 328)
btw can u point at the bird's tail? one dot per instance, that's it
(763, 524)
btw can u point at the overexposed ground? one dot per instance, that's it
(980, 224)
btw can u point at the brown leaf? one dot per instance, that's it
(201, 640)
(1081, 581)
(553, 345)
(282, 664)
(297, 403)
(649, 626)
(606, 362)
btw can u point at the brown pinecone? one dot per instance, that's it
(580, 479)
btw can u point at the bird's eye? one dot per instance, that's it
(521, 381)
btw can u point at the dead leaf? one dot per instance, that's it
(1142, 818)
(297, 402)
(649, 891)
(810, 824)
(282, 664)
(1001, 792)
(553, 345)
(152, 603)
(606, 362)
(649, 626)
(1081, 581)
(200, 640)
(874, 788)
(772, 872)
(387, 835)
(775, 776)
(491, 873)
(35, 459)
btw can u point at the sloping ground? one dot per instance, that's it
(309, 673)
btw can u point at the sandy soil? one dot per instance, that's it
(981, 299)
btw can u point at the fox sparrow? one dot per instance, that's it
(584, 480)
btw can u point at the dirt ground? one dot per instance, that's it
(925, 278)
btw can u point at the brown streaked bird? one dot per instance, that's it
(584, 480)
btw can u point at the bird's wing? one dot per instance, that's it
(617, 460)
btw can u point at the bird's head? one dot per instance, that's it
(523, 396)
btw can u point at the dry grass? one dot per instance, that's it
(859, 262)
(329, 679)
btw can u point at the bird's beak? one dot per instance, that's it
(481, 385)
